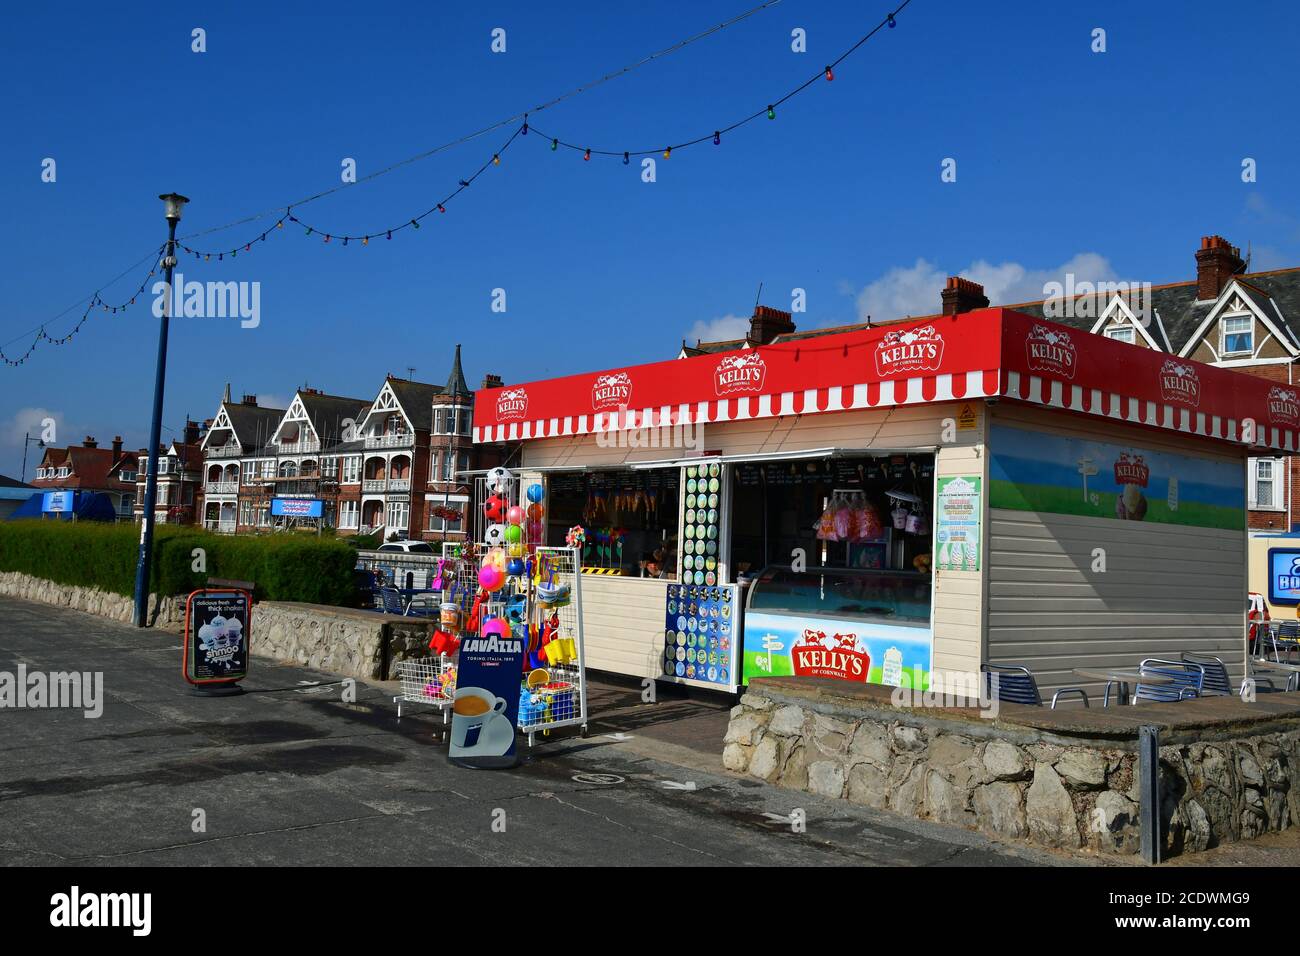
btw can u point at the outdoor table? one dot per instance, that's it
(1263, 663)
(1122, 676)
(424, 600)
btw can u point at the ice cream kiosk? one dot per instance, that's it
(887, 503)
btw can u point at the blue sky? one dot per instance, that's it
(1111, 165)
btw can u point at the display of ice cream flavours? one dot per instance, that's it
(701, 510)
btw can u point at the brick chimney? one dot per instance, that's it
(1217, 261)
(248, 399)
(491, 381)
(117, 446)
(90, 442)
(963, 295)
(191, 432)
(767, 323)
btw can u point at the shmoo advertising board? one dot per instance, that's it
(216, 636)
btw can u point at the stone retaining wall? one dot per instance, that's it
(115, 607)
(345, 641)
(1023, 782)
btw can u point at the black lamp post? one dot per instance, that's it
(173, 203)
(27, 440)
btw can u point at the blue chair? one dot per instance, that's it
(391, 602)
(1186, 680)
(1015, 685)
(1217, 682)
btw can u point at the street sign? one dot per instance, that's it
(216, 636)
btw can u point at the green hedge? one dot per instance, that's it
(90, 554)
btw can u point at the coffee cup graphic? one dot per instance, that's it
(471, 710)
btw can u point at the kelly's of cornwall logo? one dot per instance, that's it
(1283, 406)
(512, 404)
(1131, 470)
(1179, 384)
(611, 391)
(816, 655)
(1051, 351)
(913, 350)
(744, 373)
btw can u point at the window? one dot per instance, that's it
(1266, 484)
(128, 475)
(352, 469)
(63, 472)
(128, 504)
(349, 513)
(1122, 333)
(246, 513)
(1238, 335)
(399, 515)
(268, 468)
(462, 464)
(264, 517)
(457, 503)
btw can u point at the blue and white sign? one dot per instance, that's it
(295, 508)
(58, 501)
(1284, 576)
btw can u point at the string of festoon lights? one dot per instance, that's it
(315, 231)
(413, 222)
(96, 300)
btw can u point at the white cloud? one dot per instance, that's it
(30, 421)
(719, 330)
(917, 290)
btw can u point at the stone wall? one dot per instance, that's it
(170, 612)
(344, 641)
(1047, 786)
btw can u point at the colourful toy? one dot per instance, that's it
(515, 515)
(536, 493)
(491, 577)
(496, 625)
(535, 512)
(444, 643)
(515, 567)
(514, 534)
(576, 536)
(494, 508)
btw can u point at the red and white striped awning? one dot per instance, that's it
(992, 352)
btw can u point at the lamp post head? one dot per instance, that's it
(174, 202)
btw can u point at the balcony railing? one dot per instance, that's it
(374, 484)
(220, 525)
(222, 488)
(223, 451)
(399, 484)
(298, 447)
(401, 440)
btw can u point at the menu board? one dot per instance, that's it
(700, 634)
(957, 524)
(701, 517)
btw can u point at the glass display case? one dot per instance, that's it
(860, 625)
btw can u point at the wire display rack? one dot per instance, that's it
(427, 680)
(555, 695)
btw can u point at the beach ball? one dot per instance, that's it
(534, 531)
(494, 508)
(536, 493)
(515, 568)
(515, 515)
(497, 626)
(534, 512)
(515, 549)
(514, 533)
(491, 577)
(497, 478)
(496, 557)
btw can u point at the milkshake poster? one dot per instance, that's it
(957, 524)
(216, 636)
(1058, 474)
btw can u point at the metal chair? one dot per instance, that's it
(1187, 680)
(391, 602)
(1015, 685)
(1217, 681)
(1285, 637)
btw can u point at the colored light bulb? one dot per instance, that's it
(586, 156)
(496, 159)
(626, 159)
(830, 75)
(771, 113)
(717, 138)
(554, 143)
(441, 208)
(891, 22)
(415, 224)
(668, 153)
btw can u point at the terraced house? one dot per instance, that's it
(394, 465)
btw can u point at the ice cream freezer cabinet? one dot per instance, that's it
(842, 623)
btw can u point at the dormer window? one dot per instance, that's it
(1238, 335)
(1122, 333)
